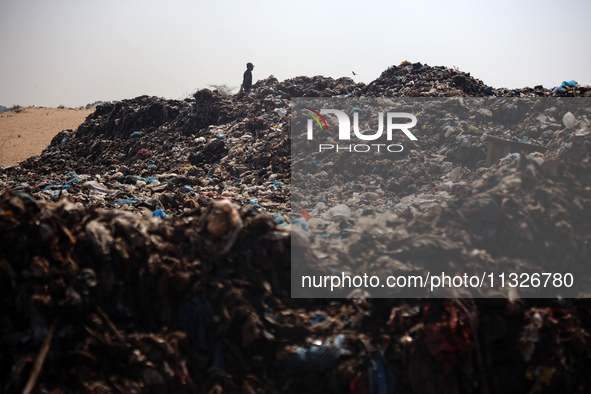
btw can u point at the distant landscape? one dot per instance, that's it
(26, 131)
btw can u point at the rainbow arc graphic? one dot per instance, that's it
(316, 116)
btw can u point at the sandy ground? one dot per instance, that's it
(26, 133)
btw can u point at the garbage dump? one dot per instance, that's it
(150, 250)
(370, 202)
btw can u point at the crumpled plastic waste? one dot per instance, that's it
(569, 120)
(200, 302)
(570, 84)
(316, 358)
(338, 213)
(159, 214)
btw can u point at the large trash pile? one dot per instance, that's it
(440, 206)
(150, 250)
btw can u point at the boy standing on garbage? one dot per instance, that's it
(247, 79)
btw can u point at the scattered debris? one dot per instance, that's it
(150, 249)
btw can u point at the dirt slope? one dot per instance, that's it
(26, 131)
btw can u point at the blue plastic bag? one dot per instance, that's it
(122, 201)
(316, 358)
(381, 378)
(302, 223)
(280, 220)
(159, 214)
(195, 320)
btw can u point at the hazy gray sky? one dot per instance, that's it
(73, 52)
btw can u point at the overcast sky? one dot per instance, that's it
(76, 52)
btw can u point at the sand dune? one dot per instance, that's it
(27, 131)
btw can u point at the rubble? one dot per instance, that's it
(150, 249)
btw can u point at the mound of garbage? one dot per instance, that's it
(150, 250)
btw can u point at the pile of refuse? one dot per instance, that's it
(150, 250)
(421, 80)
